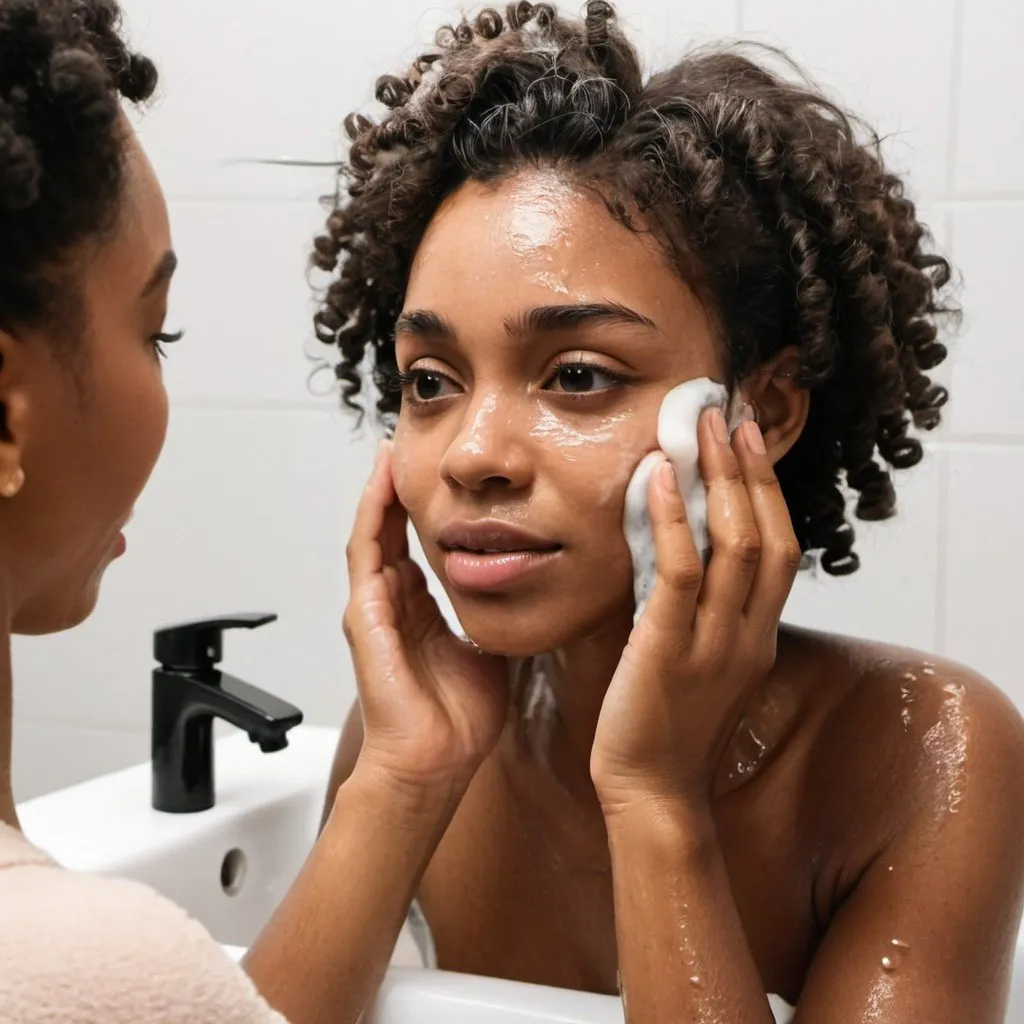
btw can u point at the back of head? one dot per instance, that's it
(771, 202)
(63, 70)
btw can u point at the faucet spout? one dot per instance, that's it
(187, 697)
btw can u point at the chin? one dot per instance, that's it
(509, 630)
(51, 614)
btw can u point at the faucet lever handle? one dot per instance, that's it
(198, 646)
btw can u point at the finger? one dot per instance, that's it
(679, 572)
(394, 534)
(780, 550)
(732, 528)
(364, 552)
(422, 614)
(395, 530)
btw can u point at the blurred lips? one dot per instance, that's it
(489, 555)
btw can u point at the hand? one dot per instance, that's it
(433, 705)
(705, 639)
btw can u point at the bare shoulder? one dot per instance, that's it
(906, 730)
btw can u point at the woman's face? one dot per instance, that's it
(538, 339)
(85, 419)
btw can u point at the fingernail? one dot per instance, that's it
(667, 478)
(753, 437)
(719, 427)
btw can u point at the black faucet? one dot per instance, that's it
(188, 693)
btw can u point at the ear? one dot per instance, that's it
(14, 418)
(780, 403)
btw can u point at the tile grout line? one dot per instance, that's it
(992, 198)
(941, 575)
(958, 442)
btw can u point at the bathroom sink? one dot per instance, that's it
(230, 866)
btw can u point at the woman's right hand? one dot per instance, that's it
(433, 705)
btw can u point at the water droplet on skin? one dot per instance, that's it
(928, 670)
(695, 980)
(899, 948)
(890, 867)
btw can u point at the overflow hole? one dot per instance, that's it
(232, 872)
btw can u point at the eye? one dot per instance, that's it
(159, 340)
(583, 378)
(419, 386)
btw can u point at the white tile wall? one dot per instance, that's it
(890, 61)
(242, 295)
(251, 505)
(989, 363)
(891, 597)
(989, 132)
(985, 563)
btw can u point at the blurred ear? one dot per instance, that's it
(14, 412)
(781, 404)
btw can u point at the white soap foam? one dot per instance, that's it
(677, 439)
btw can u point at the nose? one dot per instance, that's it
(489, 449)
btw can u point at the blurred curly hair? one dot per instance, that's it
(64, 68)
(773, 203)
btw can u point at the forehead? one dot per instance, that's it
(538, 238)
(142, 234)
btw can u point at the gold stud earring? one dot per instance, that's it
(13, 484)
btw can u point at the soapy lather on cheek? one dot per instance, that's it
(677, 439)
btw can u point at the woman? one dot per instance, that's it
(85, 268)
(536, 245)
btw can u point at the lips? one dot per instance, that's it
(488, 537)
(492, 556)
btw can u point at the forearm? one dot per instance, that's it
(323, 955)
(683, 955)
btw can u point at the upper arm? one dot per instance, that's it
(349, 745)
(929, 932)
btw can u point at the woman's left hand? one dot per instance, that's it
(706, 638)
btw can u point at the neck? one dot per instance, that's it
(558, 703)
(559, 698)
(8, 813)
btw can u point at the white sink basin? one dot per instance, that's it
(230, 866)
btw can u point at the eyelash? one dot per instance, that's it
(617, 379)
(405, 381)
(159, 340)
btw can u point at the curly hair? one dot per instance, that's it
(63, 70)
(771, 201)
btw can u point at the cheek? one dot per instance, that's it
(144, 429)
(414, 469)
(596, 464)
(129, 427)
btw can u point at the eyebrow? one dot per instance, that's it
(540, 320)
(164, 272)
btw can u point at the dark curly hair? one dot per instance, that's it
(771, 201)
(63, 70)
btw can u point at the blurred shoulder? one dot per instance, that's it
(82, 948)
